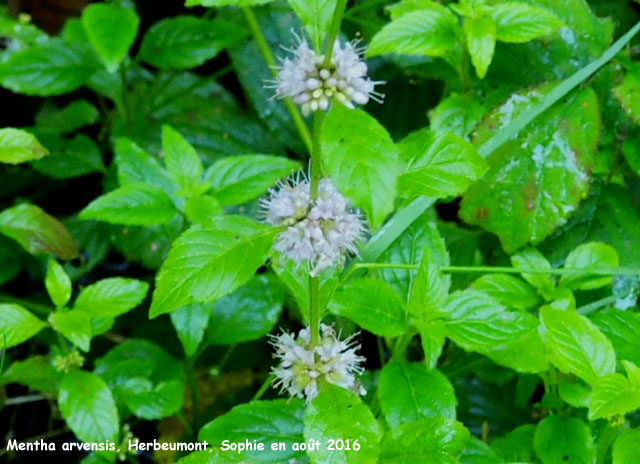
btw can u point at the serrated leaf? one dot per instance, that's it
(111, 31)
(337, 412)
(18, 146)
(627, 94)
(432, 338)
(372, 304)
(530, 258)
(37, 232)
(361, 159)
(457, 114)
(576, 346)
(316, 17)
(264, 421)
(429, 31)
(111, 297)
(182, 160)
(590, 257)
(564, 439)
(190, 322)
(613, 394)
(35, 372)
(74, 325)
(434, 440)
(247, 314)
(480, 34)
(438, 165)
(87, 406)
(52, 68)
(133, 204)
(519, 22)
(57, 283)
(535, 180)
(185, 42)
(507, 289)
(144, 377)
(238, 179)
(409, 392)
(207, 263)
(17, 325)
(200, 210)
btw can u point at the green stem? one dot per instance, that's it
(591, 307)
(608, 436)
(265, 51)
(263, 388)
(334, 31)
(400, 347)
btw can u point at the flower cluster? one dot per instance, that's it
(303, 364)
(65, 363)
(320, 232)
(312, 85)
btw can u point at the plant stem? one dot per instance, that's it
(265, 51)
(334, 31)
(316, 173)
(591, 307)
(195, 402)
(609, 434)
(25, 399)
(604, 271)
(402, 342)
(263, 388)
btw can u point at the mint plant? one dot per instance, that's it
(323, 231)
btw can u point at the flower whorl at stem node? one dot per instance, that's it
(312, 85)
(303, 364)
(320, 232)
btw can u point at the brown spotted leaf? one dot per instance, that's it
(538, 178)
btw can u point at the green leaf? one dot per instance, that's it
(518, 22)
(57, 283)
(429, 31)
(276, 421)
(337, 412)
(480, 34)
(530, 258)
(144, 377)
(625, 448)
(111, 31)
(185, 42)
(316, 17)
(535, 180)
(435, 440)
(430, 287)
(622, 328)
(432, 338)
(135, 165)
(35, 372)
(111, 297)
(576, 346)
(477, 322)
(219, 3)
(457, 114)
(627, 94)
(18, 146)
(409, 392)
(574, 394)
(133, 204)
(564, 439)
(507, 290)
(613, 395)
(372, 304)
(37, 232)
(69, 157)
(52, 68)
(207, 263)
(247, 314)
(200, 210)
(361, 159)
(516, 445)
(438, 165)
(478, 452)
(190, 323)
(72, 117)
(87, 405)
(183, 162)
(74, 325)
(590, 257)
(17, 325)
(238, 179)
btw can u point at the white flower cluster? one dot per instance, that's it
(321, 232)
(313, 86)
(302, 364)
